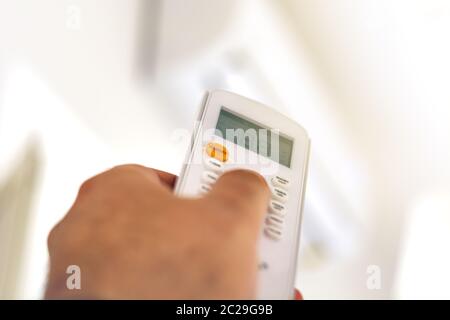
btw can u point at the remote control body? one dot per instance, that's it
(234, 132)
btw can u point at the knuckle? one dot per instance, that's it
(125, 168)
(224, 217)
(87, 187)
(92, 184)
(233, 201)
(238, 212)
(122, 167)
(234, 226)
(53, 235)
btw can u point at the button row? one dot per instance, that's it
(214, 169)
(277, 208)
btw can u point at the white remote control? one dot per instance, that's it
(235, 132)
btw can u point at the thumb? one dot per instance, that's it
(244, 193)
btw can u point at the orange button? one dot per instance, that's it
(217, 151)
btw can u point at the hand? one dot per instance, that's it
(134, 239)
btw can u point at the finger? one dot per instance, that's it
(165, 178)
(146, 172)
(243, 192)
(297, 295)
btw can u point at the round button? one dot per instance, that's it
(205, 188)
(277, 208)
(214, 164)
(217, 151)
(273, 233)
(209, 177)
(279, 194)
(275, 221)
(278, 181)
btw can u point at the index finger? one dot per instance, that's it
(164, 177)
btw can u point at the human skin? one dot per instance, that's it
(134, 239)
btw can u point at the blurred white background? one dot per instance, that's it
(85, 85)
